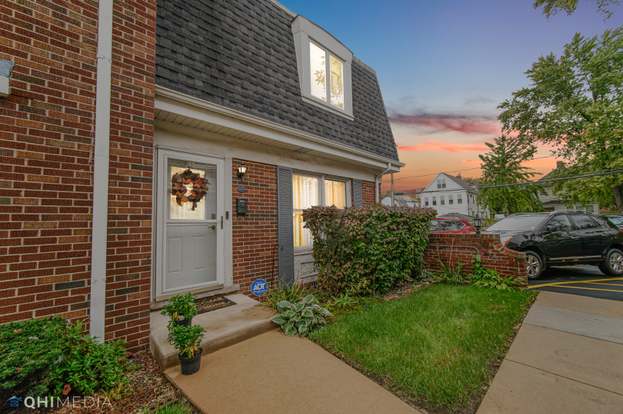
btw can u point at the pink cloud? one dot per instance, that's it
(448, 122)
(443, 146)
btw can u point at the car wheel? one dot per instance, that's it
(613, 266)
(534, 265)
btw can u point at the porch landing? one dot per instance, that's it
(223, 327)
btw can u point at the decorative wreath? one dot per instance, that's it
(188, 186)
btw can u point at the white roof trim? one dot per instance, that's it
(185, 105)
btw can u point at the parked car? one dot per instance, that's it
(616, 219)
(451, 225)
(562, 238)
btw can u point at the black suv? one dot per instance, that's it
(563, 238)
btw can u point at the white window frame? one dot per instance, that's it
(304, 32)
(321, 196)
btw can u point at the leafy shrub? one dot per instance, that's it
(292, 293)
(186, 339)
(490, 278)
(49, 357)
(181, 307)
(451, 274)
(301, 318)
(366, 250)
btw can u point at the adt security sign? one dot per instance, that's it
(259, 287)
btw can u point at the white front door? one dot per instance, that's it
(189, 230)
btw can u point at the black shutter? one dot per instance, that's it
(357, 193)
(284, 224)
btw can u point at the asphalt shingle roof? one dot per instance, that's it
(240, 54)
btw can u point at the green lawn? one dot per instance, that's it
(435, 347)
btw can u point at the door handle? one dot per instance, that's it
(221, 222)
(213, 226)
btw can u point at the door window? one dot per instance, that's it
(558, 223)
(192, 191)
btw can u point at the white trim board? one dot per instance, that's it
(200, 110)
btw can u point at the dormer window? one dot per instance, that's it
(324, 66)
(329, 88)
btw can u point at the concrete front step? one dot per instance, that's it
(223, 327)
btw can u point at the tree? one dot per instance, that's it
(551, 7)
(575, 104)
(502, 165)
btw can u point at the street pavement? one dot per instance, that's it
(580, 280)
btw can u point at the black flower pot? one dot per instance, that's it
(190, 365)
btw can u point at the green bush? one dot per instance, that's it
(301, 318)
(49, 357)
(180, 307)
(490, 278)
(367, 250)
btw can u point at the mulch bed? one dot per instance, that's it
(212, 303)
(148, 390)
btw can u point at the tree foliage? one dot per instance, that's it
(575, 104)
(503, 164)
(551, 7)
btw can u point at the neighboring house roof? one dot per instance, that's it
(466, 185)
(241, 54)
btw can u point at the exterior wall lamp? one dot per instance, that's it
(6, 67)
(242, 170)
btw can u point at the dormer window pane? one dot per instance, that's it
(337, 82)
(318, 72)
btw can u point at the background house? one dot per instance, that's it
(450, 194)
(552, 202)
(400, 199)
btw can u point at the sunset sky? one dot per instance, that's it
(445, 65)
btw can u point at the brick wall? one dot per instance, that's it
(46, 131)
(46, 136)
(131, 158)
(368, 193)
(453, 249)
(255, 234)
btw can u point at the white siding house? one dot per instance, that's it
(449, 194)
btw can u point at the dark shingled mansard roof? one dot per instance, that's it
(240, 54)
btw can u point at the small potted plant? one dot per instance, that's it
(187, 341)
(181, 309)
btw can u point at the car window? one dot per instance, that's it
(616, 220)
(582, 222)
(446, 225)
(522, 223)
(558, 223)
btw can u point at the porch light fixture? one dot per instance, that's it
(242, 170)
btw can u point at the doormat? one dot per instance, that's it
(212, 303)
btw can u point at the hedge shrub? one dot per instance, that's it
(367, 250)
(50, 357)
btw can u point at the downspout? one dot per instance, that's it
(377, 180)
(99, 234)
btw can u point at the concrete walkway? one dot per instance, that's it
(275, 374)
(566, 358)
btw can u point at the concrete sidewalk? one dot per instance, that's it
(566, 358)
(276, 374)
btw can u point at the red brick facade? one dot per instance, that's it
(46, 137)
(454, 249)
(131, 161)
(255, 234)
(368, 194)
